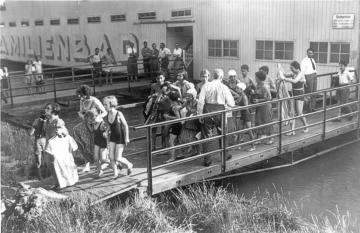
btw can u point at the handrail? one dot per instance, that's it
(224, 148)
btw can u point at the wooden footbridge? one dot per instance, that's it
(153, 176)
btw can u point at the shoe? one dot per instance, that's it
(170, 160)
(269, 142)
(101, 173)
(115, 176)
(251, 149)
(228, 157)
(306, 130)
(86, 168)
(290, 133)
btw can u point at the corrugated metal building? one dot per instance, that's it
(223, 34)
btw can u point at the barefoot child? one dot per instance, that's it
(119, 135)
(100, 140)
(38, 130)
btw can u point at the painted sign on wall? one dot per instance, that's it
(343, 21)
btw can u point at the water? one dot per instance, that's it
(324, 183)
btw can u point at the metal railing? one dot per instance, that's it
(324, 110)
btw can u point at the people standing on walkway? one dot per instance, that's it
(38, 130)
(146, 53)
(164, 54)
(100, 140)
(4, 76)
(154, 61)
(96, 61)
(298, 82)
(109, 61)
(343, 94)
(119, 135)
(183, 84)
(263, 113)
(83, 131)
(39, 77)
(269, 82)
(308, 67)
(28, 75)
(132, 66)
(205, 78)
(178, 59)
(214, 96)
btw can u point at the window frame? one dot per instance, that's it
(222, 41)
(181, 17)
(68, 20)
(36, 22)
(24, 23)
(117, 21)
(265, 50)
(147, 12)
(284, 41)
(93, 17)
(339, 53)
(317, 53)
(12, 24)
(54, 20)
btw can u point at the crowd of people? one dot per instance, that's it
(153, 59)
(103, 133)
(34, 75)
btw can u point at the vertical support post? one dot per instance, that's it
(324, 116)
(129, 88)
(10, 90)
(358, 99)
(54, 86)
(72, 74)
(280, 125)
(93, 80)
(223, 141)
(149, 160)
(330, 102)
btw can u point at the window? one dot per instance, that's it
(284, 50)
(55, 22)
(39, 22)
(320, 51)
(147, 15)
(73, 21)
(25, 24)
(223, 48)
(94, 19)
(181, 13)
(12, 24)
(339, 51)
(264, 49)
(117, 18)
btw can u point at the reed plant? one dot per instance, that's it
(200, 208)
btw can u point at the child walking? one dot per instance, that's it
(38, 130)
(100, 140)
(119, 135)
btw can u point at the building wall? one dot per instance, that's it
(248, 21)
(242, 20)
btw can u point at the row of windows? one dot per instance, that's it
(324, 52)
(97, 19)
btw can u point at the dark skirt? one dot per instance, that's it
(132, 66)
(263, 116)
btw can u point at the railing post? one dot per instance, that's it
(149, 160)
(93, 80)
(324, 117)
(72, 74)
(280, 125)
(331, 78)
(223, 141)
(10, 90)
(54, 86)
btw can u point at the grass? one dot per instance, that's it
(201, 208)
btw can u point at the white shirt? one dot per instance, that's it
(177, 52)
(38, 66)
(164, 52)
(215, 92)
(345, 78)
(306, 66)
(131, 52)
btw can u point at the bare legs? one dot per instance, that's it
(299, 105)
(115, 154)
